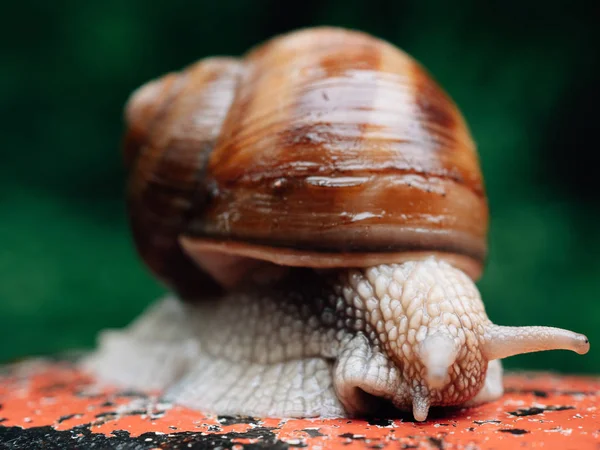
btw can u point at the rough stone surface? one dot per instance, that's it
(52, 405)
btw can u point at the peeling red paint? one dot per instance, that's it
(539, 409)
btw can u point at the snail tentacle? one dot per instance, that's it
(437, 353)
(502, 342)
(420, 406)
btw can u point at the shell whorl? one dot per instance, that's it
(323, 141)
(173, 123)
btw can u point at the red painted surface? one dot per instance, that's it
(538, 411)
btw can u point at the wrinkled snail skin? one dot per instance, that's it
(332, 344)
(318, 210)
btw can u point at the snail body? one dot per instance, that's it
(318, 210)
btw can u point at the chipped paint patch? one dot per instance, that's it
(49, 404)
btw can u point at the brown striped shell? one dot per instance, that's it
(320, 148)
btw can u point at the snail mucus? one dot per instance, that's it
(318, 212)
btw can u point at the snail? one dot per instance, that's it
(318, 212)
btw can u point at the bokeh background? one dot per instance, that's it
(525, 75)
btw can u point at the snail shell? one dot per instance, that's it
(323, 148)
(335, 153)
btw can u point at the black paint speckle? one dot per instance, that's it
(110, 414)
(234, 420)
(535, 392)
(354, 437)
(82, 437)
(61, 419)
(436, 442)
(381, 422)
(137, 412)
(515, 431)
(521, 412)
(120, 433)
(313, 433)
(131, 394)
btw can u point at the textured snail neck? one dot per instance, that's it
(426, 317)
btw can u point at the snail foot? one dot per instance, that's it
(492, 388)
(296, 388)
(150, 354)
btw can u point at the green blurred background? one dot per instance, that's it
(525, 74)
